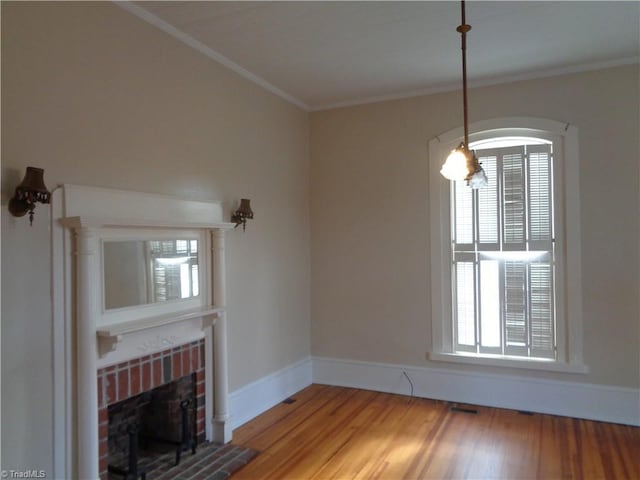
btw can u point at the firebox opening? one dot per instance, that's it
(145, 427)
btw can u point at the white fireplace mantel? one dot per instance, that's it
(110, 337)
(87, 336)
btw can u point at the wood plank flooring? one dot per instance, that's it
(343, 433)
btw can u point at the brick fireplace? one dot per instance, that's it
(107, 354)
(128, 379)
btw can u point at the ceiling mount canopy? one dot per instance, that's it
(462, 163)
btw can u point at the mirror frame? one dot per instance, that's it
(156, 309)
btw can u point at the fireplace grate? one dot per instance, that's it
(134, 471)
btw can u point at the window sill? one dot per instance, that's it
(512, 362)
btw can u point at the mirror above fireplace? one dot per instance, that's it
(140, 272)
(151, 272)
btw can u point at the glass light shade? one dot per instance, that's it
(478, 179)
(456, 167)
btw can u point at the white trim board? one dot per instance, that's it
(252, 399)
(187, 39)
(571, 399)
(489, 82)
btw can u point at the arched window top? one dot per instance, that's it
(511, 141)
(523, 127)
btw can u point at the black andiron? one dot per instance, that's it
(131, 472)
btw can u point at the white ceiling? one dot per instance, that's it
(323, 54)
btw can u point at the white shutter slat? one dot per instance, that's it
(465, 304)
(463, 212)
(490, 337)
(539, 182)
(195, 280)
(514, 307)
(541, 310)
(488, 233)
(513, 198)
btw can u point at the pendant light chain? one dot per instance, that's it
(463, 29)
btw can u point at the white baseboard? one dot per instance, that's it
(571, 399)
(255, 398)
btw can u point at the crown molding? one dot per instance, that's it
(207, 51)
(482, 83)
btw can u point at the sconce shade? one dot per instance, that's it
(245, 208)
(243, 213)
(31, 190)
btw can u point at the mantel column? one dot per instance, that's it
(221, 424)
(86, 348)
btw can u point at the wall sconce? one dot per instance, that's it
(243, 213)
(30, 191)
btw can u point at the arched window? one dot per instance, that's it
(505, 277)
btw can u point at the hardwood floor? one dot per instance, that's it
(343, 433)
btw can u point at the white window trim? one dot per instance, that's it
(569, 338)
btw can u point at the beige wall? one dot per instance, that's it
(98, 97)
(370, 219)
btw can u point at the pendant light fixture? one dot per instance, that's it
(462, 163)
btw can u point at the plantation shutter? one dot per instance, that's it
(513, 198)
(514, 308)
(539, 196)
(503, 271)
(488, 205)
(464, 268)
(490, 331)
(465, 301)
(195, 276)
(463, 208)
(541, 312)
(541, 300)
